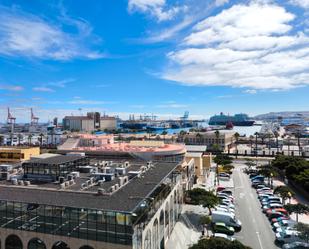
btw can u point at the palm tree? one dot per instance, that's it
(217, 134)
(198, 137)
(256, 148)
(250, 139)
(30, 138)
(236, 136)
(19, 136)
(164, 133)
(41, 139)
(277, 142)
(298, 135)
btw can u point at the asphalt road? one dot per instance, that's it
(256, 230)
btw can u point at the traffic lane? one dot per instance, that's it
(256, 230)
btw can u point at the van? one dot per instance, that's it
(228, 218)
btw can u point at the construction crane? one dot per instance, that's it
(11, 120)
(34, 119)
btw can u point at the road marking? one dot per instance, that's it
(259, 239)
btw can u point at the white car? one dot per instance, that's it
(227, 205)
(287, 236)
(228, 202)
(284, 223)
(272, 205)
(283, 229)
(224, 236)
(224, 209)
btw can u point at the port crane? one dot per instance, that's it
(11, 120)
(34, 119)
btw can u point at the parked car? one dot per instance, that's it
(277, 219)
(224, 209)
(226, 191)
(276, 215)
(271, 206)
(256, 183)
(273, 198)
(264, 189)
(261, 196)
(232, 210)
(220, 188)
(224, 236)
(284, 223)
(228, 205)
(258, 177)
(287, 236)
(296, 245)
(271, 201)
(227, 218)
(283, 229)
(220, 227)
(226, 196)
(281, 210)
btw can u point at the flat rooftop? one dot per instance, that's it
(125, 199)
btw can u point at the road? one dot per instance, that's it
(256, 230)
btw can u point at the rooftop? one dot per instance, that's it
(59, 159)
(125, 199)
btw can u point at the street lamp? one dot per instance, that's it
(290, 195)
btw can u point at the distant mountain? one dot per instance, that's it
(275, 115)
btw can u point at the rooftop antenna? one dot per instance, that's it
(34, 119)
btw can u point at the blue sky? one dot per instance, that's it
(153, 56)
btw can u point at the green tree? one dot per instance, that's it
(284, 192)
(207, 199)
(218, 243)
(303, 230)
(164, 133)
(297, 209)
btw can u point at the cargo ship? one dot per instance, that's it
(237, 120)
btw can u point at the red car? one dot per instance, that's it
(281, 210)
(274, 220)
(220, 188)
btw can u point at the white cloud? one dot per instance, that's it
(11, 88)
(250, 91)
(22, 34)
(302, 3)
(42, 89)
(221, 2)
(156, 8)
(253, 46)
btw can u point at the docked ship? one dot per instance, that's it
(237, 120)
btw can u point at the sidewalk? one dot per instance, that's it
(294, 200)
(187, 230)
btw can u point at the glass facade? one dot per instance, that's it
(89, 224)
